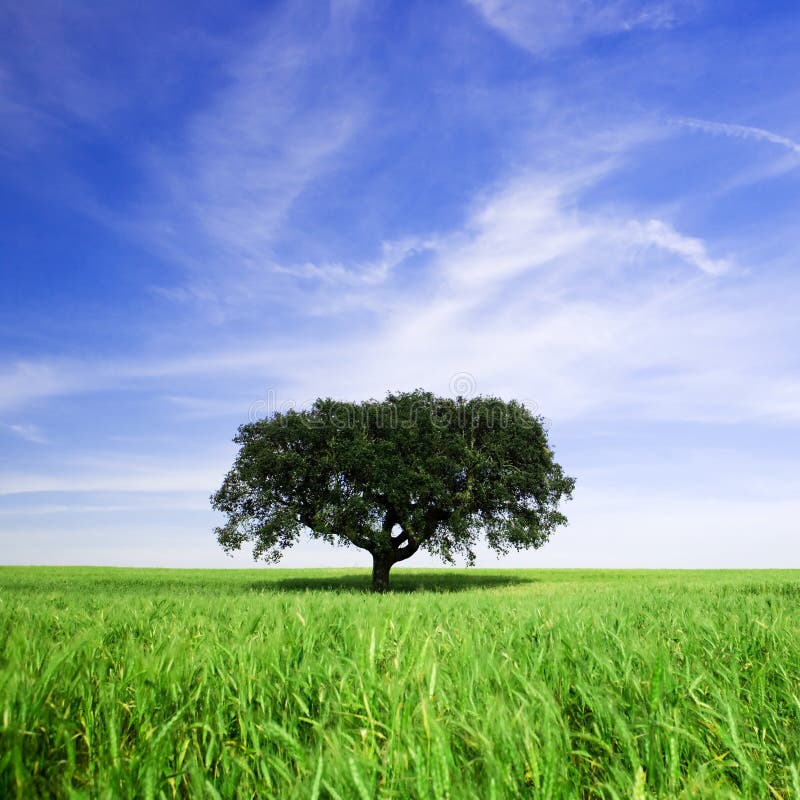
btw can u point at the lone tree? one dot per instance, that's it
(393, 476)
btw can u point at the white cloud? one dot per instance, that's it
(739, 132)
(347, 276)
(25, 382)
(692, 249)
(120, 472)
(144, 504)
(30, 433)
(583, 311)
(547, 25)
(524, 226)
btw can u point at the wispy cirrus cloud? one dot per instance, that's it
(117, 472)
(24, 382)
(607, 300)
(220, 199)
(44, 76)
(28, 432)
(691, 249)
(738, 132)
(116, 504)
(68, 66)
(542, 27)
(210, 198)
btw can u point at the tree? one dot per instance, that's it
(393, 476)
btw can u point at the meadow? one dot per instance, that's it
(123, 683)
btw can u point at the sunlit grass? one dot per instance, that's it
(460, 684)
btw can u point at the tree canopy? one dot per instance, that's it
(413, 471)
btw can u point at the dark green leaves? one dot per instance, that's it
(413, 469)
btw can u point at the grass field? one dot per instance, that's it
(459, 684)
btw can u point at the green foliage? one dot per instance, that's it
(412, 471)
(463, 684)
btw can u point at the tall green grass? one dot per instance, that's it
(479, 684)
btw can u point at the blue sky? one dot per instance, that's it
(592, 207)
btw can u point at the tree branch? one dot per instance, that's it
(307, 519)
(399, 539)
(389, 521)
(359, 541)
(402, 553)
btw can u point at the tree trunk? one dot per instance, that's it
(381, 564)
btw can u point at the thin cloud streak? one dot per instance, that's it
(690, 248)
(548, 25)
(738, 132)
(166, 479)
(30, 433)
(58, 509)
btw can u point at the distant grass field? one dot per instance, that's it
(460, 684)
